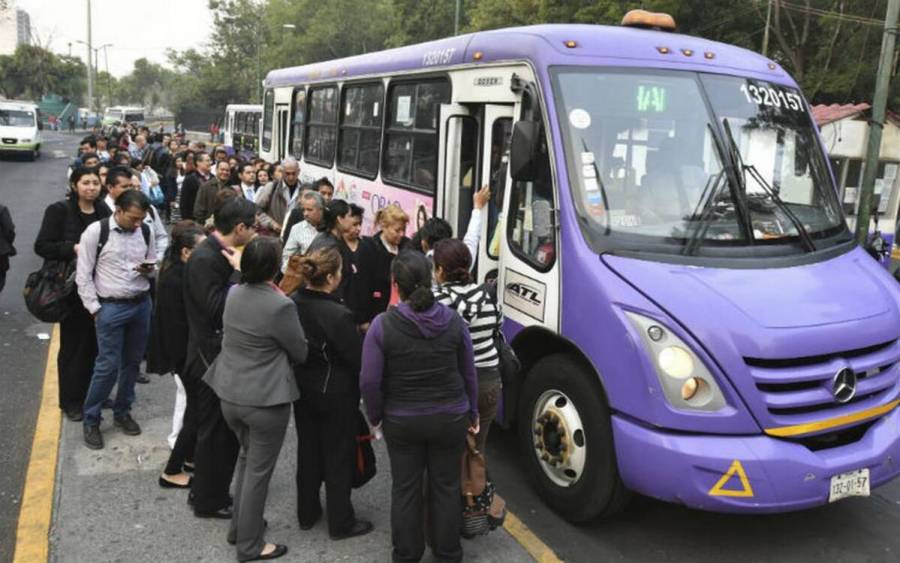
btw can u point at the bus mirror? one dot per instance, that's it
(523, 150)
(40, 125)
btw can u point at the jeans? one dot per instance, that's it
(122, 330)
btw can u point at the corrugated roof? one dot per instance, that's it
(824, 114)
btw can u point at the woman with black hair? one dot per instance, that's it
(61, 229)
(336, 220)
(254, 380)
(456, 289)
(418, 381)
(168, 351)
(328, 409)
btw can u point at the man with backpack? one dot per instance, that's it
(113, 271)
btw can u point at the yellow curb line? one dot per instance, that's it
(532, 544)
(36, 513)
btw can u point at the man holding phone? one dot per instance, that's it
(115, 260)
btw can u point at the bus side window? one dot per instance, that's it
(531, 228)
(360, 139)
(321, 128)
(268, 113)
(410, 140)
(297, 122)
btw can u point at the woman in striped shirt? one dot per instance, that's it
(455, 289)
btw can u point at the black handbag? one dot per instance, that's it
(364, 461)
(50, 293)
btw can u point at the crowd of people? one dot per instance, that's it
(259, 294)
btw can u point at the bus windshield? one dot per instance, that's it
(16, 118)
(670, 159)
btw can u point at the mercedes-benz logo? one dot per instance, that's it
(844, 386)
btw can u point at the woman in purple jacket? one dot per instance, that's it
(418, 381)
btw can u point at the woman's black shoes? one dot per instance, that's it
(275, 554)
(74, 413)
(165, 484)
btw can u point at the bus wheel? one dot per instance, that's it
(566, 436)
(32, 155)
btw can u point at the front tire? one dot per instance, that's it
(565, 434)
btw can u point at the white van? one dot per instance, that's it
(20, 128)
(117, 115)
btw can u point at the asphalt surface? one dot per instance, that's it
(26, 188)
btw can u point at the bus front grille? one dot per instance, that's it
(803, 391)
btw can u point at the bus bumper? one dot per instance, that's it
(700, 471)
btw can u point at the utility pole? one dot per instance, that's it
(765, 48)
(876, 125)
(90, 74)
(456, 17)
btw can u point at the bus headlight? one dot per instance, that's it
(685, 380)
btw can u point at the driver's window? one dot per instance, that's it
(532, 226)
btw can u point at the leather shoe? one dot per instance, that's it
(74, 413)
(359, 528)
(165, 484)
(92, 437)
(142, 378)
(309, 524)
(276, 553)
(127, 424)
(221, 514)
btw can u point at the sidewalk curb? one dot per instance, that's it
(38, 495)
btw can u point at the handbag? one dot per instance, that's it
(157, 197)
(364, 461)
(50, 293)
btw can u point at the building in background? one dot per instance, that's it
(15, 28)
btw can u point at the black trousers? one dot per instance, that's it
(185, 444)
(326, 431)
(415, 444)
(77, 352)
(215, 454)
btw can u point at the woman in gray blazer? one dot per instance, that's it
(254, 379)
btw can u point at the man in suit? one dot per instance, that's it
(192, 182)
(210, 272)
(205, 203)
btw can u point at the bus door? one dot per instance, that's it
(282, 113)
(474, 139)
(497, 126)
(528, 232)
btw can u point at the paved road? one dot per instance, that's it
(26, 188)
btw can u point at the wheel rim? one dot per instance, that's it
(558, 435)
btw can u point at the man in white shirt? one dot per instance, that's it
(114, 264)
(120, 179)
(303, 233)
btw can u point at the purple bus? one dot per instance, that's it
(694, 319)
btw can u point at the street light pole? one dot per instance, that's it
(879, 104)
(90, 76)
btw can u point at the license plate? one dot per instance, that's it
(851, 484)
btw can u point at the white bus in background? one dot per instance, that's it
(118, 115)
(240, 128)
(20, 128)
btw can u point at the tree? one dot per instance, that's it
(32, 71)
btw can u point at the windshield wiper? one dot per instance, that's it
(705, 206)
(602, 188)
(802, 233)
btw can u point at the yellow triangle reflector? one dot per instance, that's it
(735, 469)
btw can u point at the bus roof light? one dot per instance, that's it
(709, 55)
(663, 50)
(570, 44)
(771, 66)
(649, 20)
(687, 52)
(478, 56)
